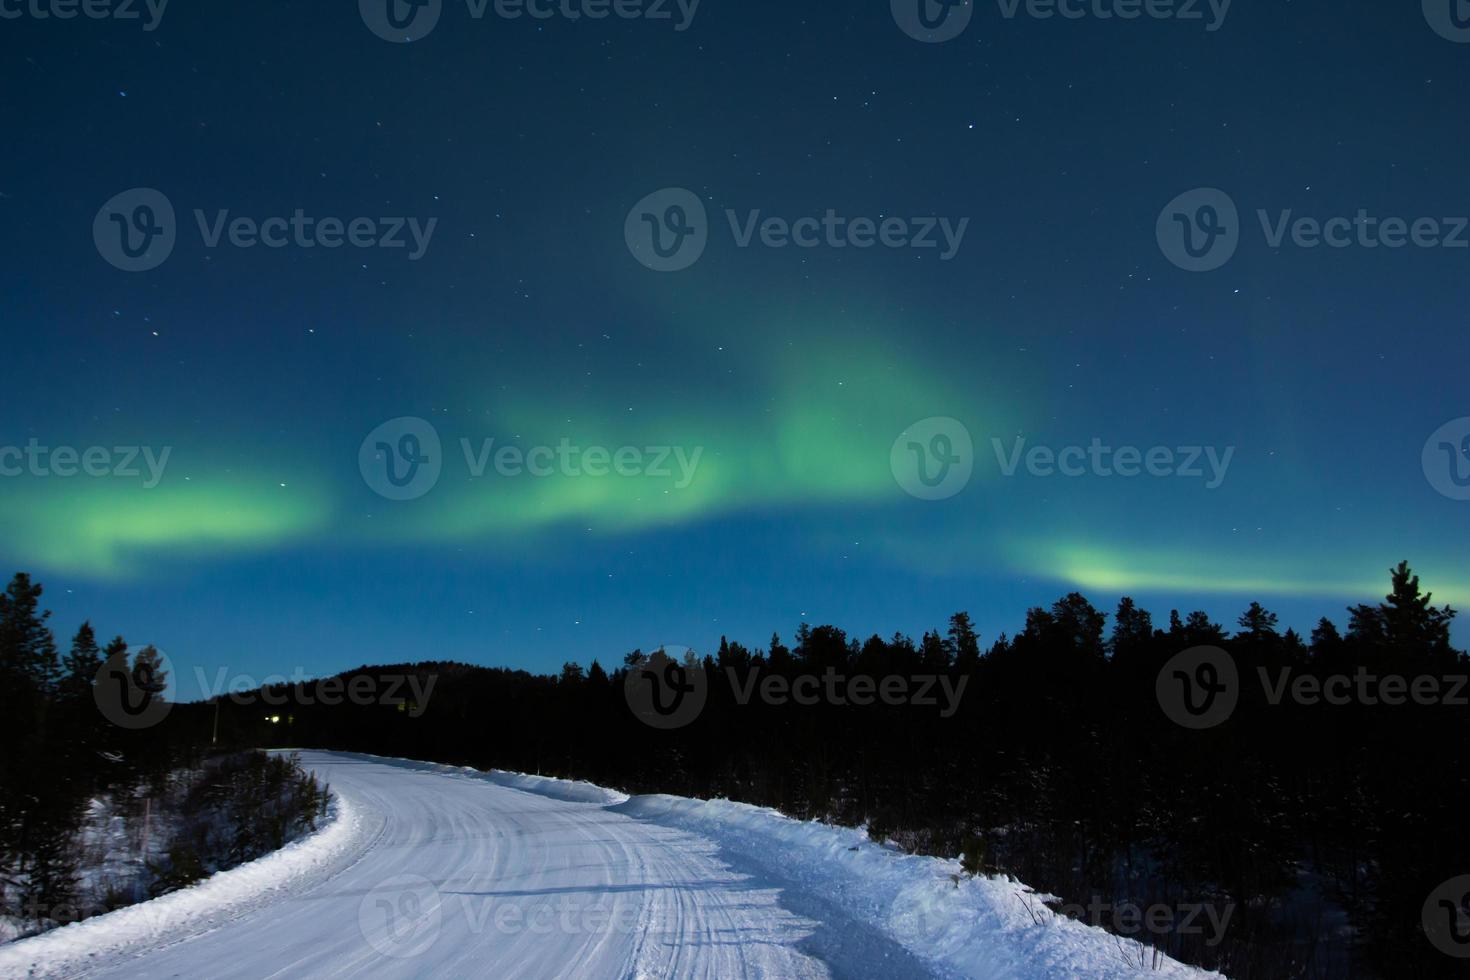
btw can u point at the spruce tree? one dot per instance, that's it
(80, 666)
(1256, 623)
(964, 641)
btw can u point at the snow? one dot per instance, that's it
(72, 949)
(983, 927)
(432, 870)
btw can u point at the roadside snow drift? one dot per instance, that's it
(207, 904)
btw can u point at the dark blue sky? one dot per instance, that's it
(792, 372)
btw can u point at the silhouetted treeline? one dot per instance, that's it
(1320, 828)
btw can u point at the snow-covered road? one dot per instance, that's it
(430, 870)
(453, 875)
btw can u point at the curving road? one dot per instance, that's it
(453, 875)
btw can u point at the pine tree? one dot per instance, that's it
(1256, 623)
(778, 656)
(148, 672)
(1133, 628)
(1325, 636)
(28, 675)
(27, 648)
(1200, 631)
(1406, 626)
(596, 676)
(80, 666)
(964, 641)
(935, 653)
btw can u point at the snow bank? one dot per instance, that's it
(172, 917)
(568, 790)
(989, 928)
(571, 790)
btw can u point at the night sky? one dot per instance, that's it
(528, 319)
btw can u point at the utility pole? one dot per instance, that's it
(214, 738)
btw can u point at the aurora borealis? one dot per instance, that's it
(793, 370)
